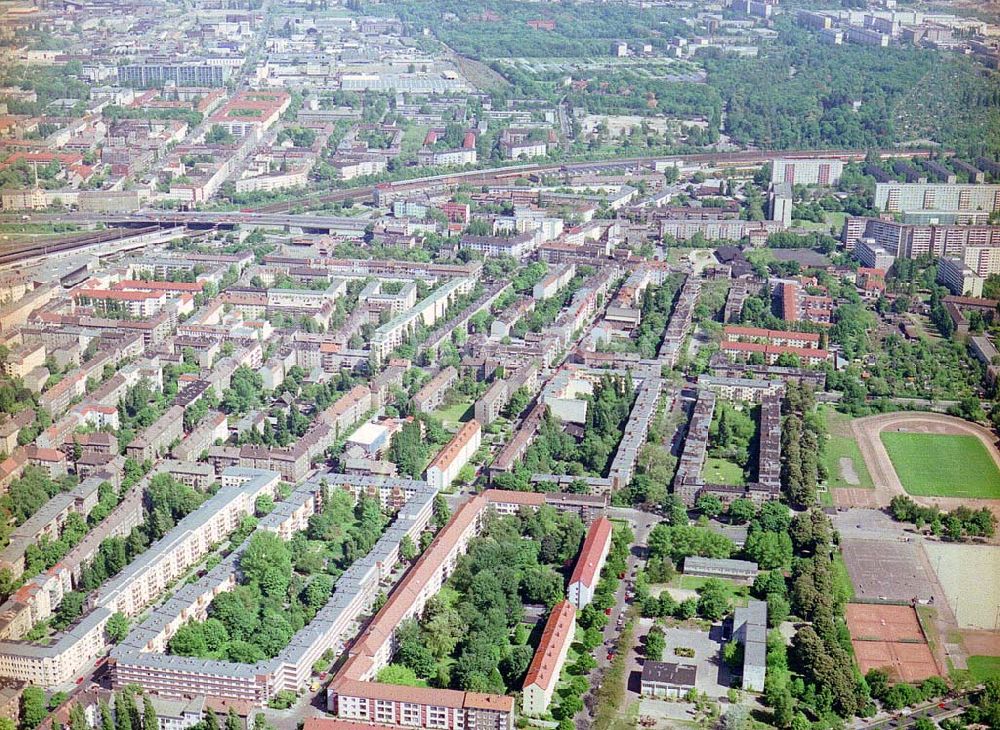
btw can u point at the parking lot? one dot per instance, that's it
(714, 677)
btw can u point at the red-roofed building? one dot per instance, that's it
(871, 281)
(332, 723)
(172, 289)
(455, 212)
(588, 565)
(543, 672)
(797, 305)
(782, 338)
(745, 350)
(113, 303)
(456, 454)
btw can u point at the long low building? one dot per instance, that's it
(588, 567)
(720, 568)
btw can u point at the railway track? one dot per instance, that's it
(493, 175)
(80, 240)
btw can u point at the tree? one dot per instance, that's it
(123, 717)
(407, 550)
(107, 723)
(713, 600)
(769, 549)
(737, 717)
(442, 512)
(741, 511)
(150, 721)
(709, 505)
(233, 721)
(116, 627)
(77, 718)
(655, 644)
(33, 709)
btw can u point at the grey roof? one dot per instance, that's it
(669, 673)
(360, 578)
(693, 562)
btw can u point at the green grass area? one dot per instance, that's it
(935, 465)
(456, 413)
(839, 448)
(983, 667)
(737, 593)
(841, 578)
(413, 140)
(723, 471)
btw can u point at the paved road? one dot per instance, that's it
(934, 712)
(641, 523)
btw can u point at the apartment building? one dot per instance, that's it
(396, 331)
(959, 277)
(587, 571)
(553, 281)
(192, 538)
(518, 246)
(909, 240)
(950, 203)
(354, 695)
(543, 672)
(455, 455)
(23, 359)
(780, 338)
(872, 255)
(796, 305)
(132, 304)
(158, 437)
(715, 230)
(814, 171)
(431, 396)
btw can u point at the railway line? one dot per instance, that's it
(511, 172)
(27, 251)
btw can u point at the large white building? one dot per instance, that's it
(813, 171)
(456, 454)
(587, 572)
(897, 197)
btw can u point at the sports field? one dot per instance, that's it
(983, 667)
(937, 465)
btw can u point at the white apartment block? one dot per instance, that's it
(456, 454)
(815, 171)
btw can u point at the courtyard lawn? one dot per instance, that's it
(737, 593)
(413, 140)
(454, 414)
(934, 465)
(722, 471)
(983, 667)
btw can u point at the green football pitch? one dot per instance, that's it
(936, 465)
